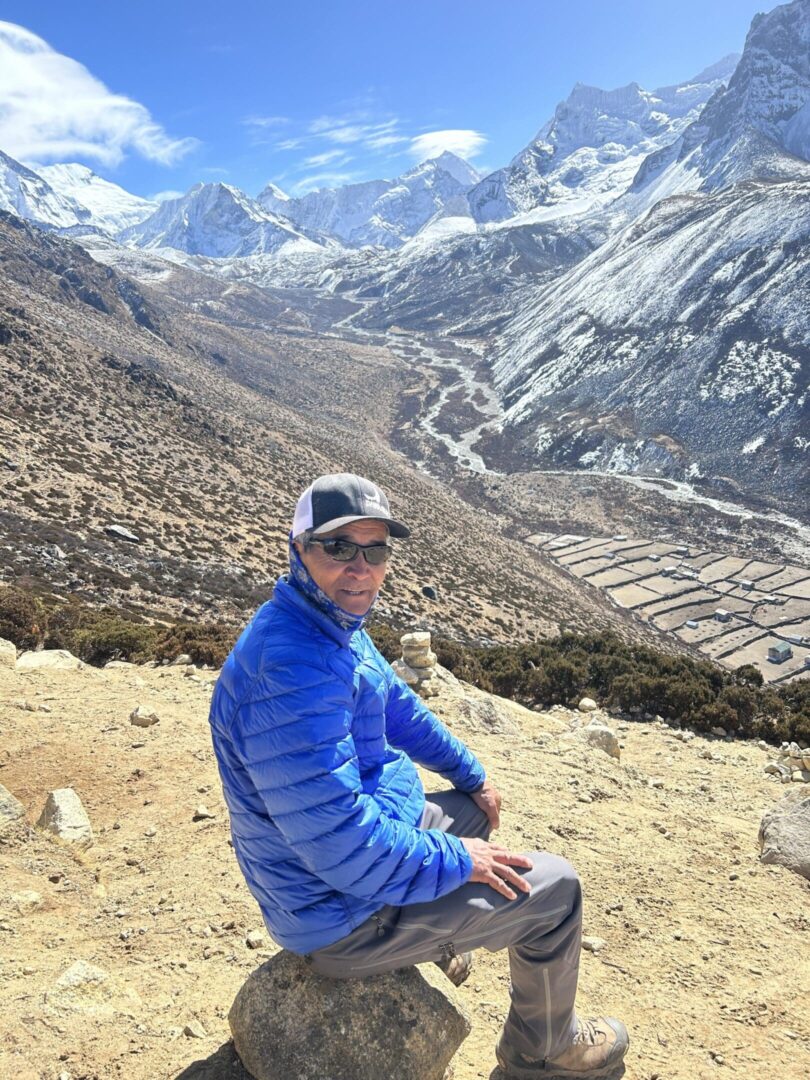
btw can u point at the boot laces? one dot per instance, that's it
(588, 1033)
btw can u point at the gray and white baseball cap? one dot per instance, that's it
(338, 498)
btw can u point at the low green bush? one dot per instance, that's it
(21, 615)
(629, 677)
(205, 643)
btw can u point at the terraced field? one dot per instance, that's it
(735, 610)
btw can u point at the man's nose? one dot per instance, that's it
(358, 564)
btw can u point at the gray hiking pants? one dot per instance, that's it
(541, 929)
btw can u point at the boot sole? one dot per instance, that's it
(611, 1071)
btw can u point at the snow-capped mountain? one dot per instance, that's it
(683, 342)
(28, 195)
(111, 207)
(218, 221)
(759, 126)
(590, 150)
(382, 212)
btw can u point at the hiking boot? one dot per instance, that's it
(456, 968)
(597, 1050)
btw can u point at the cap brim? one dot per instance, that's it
(395, 528)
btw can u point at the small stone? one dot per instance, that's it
(28, 970)
(65, 817)
(195, 1030)
(183, 660)
(11, 809)
(143, 716)
(587, 705)
(8, 654)
(27, 901)
(151, 831)
(202, 813)
(255, 939)
(593, 944)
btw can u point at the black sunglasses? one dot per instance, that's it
(346, 550)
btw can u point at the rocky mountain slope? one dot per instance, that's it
(193, 417)
(645, 357)
(698, 946)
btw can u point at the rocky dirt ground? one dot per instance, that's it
(705, 953)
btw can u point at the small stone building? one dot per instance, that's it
(779, 652)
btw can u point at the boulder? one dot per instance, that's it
(587, 705)
(65, 817)
(52, 659)
(600, 737)
(8, 654)
(288, 1022)
(784, 833)
(120, 532)
(11, 809)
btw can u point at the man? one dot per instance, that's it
(316, 740)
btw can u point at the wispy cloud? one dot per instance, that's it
(290, 144)
(266, 121)
(327, 158)
(323, 180)
(166, 196)
(358, 127)
(52, 108)
(430, 144)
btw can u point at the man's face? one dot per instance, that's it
(351, 585)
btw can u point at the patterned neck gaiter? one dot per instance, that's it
(301, 578)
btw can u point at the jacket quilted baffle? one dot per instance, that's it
(316, 739)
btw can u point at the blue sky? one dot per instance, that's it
(157, 96)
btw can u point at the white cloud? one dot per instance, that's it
(290, 144)
(266, 121)
(52, 108)
(323, 180)
(166, 196)
(329, 157)
(465, 143)
(357, 127)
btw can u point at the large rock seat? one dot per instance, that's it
(288, 1022)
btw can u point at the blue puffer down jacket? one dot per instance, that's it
(315, 739)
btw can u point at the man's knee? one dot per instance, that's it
(553, 875)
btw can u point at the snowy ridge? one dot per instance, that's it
(379, 212)
(28, 195)
(590, 150)
(111, 207)
(217, 221)
(757, 127)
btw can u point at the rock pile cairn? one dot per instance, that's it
(418, 664)
(790, 763)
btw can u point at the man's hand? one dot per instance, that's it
(492, 864)
(489, 800)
